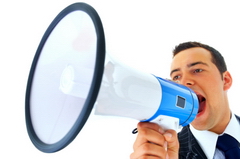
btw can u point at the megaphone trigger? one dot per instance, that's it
(167, 122)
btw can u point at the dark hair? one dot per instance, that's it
(217, 58)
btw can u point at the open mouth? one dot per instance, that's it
(201, 101)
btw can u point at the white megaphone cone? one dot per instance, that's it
(128, 92)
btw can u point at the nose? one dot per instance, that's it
(187, 81)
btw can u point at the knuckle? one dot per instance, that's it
(146, 147)
(143, 132)
(132, 156)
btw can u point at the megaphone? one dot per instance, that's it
(71, 74)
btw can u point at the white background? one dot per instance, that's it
(140, 33)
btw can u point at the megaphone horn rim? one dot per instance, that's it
(96, 81)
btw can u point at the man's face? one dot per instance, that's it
(193, 68)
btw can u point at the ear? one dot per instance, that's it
(227, 79)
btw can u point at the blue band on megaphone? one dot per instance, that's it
(177, 101)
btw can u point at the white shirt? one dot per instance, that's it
(207, 139)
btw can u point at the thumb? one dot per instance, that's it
(172, 142)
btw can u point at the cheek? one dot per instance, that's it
(214, 95)
(212, 89)
(213, 84)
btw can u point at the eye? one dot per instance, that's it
(197, 70)
(176, 77)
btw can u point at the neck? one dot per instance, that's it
(220, 128)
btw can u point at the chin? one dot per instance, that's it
(200, 123)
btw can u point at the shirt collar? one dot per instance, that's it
(207, 139)
(233, 128)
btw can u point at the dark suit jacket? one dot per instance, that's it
(189, 147)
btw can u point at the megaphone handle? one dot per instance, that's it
(167, 122)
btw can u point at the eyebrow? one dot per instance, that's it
(190, 65)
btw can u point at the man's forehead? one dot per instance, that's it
(192, 54)
(191, 57)
(189, 65)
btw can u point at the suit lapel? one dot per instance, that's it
(189, 147)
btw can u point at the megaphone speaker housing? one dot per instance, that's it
(71, 74)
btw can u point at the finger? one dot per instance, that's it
(149, 125)
(148, 133)
(148, 150)
(145, 157)
(152, 126)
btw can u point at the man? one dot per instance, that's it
(203, 69)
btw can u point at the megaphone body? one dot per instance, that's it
(132, 93)
(128, 92)
(69, 78)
